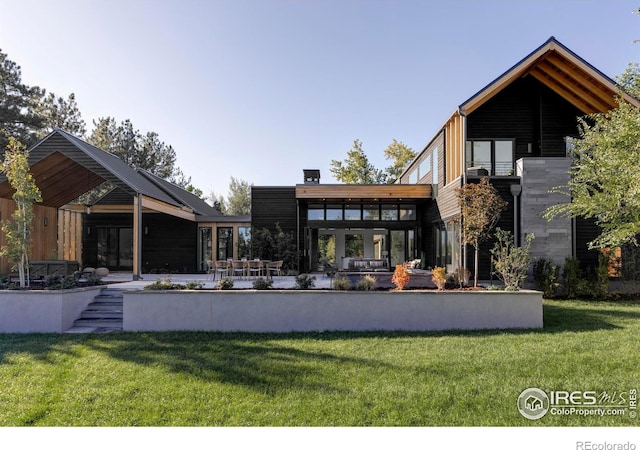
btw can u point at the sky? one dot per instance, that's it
(262, 89)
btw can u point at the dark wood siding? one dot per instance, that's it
(169, 246)
(529, 112)
(505, 223)
(586, 231)
(274, 205)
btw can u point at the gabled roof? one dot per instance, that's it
(65, 167)
(564, 72)
(181, 195)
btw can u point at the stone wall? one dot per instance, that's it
(553, 240)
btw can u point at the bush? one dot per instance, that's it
(545, 275)
(224, 284)
(366, 283)
(194, 285)
(57, 282)
(163, 284)
(601, 285)
(305, 281)
(439, 277)
(571, 276)
(401, 276)
(341, 283)
(261, 284)
(511, 262)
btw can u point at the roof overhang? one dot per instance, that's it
(565, 73)
(148, 205)
(363, 192)
(60, 180)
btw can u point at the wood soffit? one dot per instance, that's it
(360, 192)
(59, 179)
(564, 73)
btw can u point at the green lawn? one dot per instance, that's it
(328, 379)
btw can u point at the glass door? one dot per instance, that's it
(115, 248)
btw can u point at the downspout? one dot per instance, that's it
(138, 269)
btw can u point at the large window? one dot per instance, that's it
(205, 247)
(244, 242)
(495, 156)
(225, 243)
(358, 212)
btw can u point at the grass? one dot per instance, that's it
(320, 379)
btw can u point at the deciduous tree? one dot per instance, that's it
(481, 206)
(356, 168)
(604, 181)
(17, 230)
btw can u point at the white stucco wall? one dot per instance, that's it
(286, 311)
(43, 311)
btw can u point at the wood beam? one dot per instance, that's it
(363, 192)
(578, 102)
(157, 205)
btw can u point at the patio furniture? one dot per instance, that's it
(221, 268)
(254, 268)
(210, 270)
(238, 268)
(45, 268)
(274, 268)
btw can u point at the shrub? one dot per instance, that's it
(439, 277)
(194, 285)
(57, 282)
(163, 284)
(305, 281)
(601, 285)
(366, 283)
(511, 262)
(341, 283)
(224, 284)
(261, 284)
(401, 276)
(545, 275)
(571, 276)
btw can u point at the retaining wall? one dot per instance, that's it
(286, 311)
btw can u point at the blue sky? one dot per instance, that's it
(262, 89)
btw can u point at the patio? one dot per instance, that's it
(123, 280)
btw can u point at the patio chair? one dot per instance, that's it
(254, 268)
(238, 268)
(274, 268)
(221, 268)
(210, 269)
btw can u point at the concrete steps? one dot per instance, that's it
(104, 314)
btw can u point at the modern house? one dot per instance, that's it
(513, 130)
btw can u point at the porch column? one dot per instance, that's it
(137, 237)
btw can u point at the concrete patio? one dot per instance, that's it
(123, 280)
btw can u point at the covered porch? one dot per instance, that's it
(64, 168)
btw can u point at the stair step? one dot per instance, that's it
(112, 323)
(105, 312)
(105, 306)
(87, 314)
